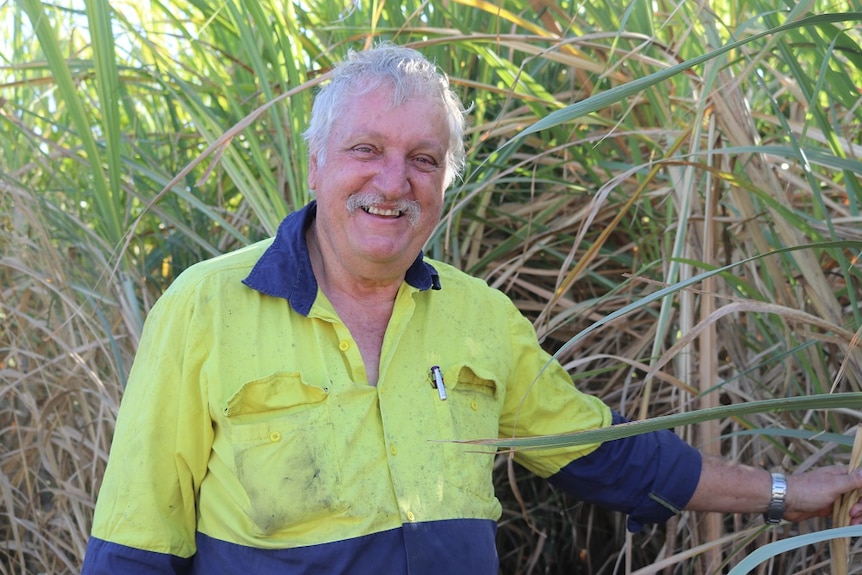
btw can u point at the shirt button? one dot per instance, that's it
(392, 450)
(474, 405)
(275, 436)
(410, 516)
(344, 345)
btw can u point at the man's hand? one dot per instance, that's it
(812, 494)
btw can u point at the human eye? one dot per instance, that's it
(363, 149)
(426, 162)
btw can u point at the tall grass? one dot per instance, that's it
(616, 151)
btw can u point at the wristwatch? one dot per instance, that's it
(778, 501)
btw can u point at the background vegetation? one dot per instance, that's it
(673, 138)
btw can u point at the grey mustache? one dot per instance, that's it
(409, 208)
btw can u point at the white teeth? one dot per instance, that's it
(379, 212)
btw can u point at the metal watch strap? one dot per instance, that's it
(778, 501)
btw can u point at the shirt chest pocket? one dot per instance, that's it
(283, 445)
(471, 411)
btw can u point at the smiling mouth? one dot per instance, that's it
(375, 211)
(372, 204)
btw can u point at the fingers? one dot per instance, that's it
(854, 512)
(813, 494)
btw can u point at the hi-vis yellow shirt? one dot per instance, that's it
(249, 435)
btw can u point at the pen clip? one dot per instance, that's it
(437, 381)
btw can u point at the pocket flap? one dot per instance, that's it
(272, 393)
(470, 380)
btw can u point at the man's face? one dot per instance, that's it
(380, 192)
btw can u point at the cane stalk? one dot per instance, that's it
(841, 513)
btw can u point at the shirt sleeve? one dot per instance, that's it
(145, 517)
(650, 477)
(541, 400)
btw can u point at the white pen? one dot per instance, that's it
(437, 381)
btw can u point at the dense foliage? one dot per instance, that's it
(616, 151)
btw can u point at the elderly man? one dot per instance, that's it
(290, 402)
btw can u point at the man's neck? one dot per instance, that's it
(364, 305)
(339, 282)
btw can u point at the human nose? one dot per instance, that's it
(392, 177)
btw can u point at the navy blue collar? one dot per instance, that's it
(284, 269)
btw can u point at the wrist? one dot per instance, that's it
(777, 506)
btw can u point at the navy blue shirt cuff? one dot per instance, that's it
(650, 477)
(107, 558)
